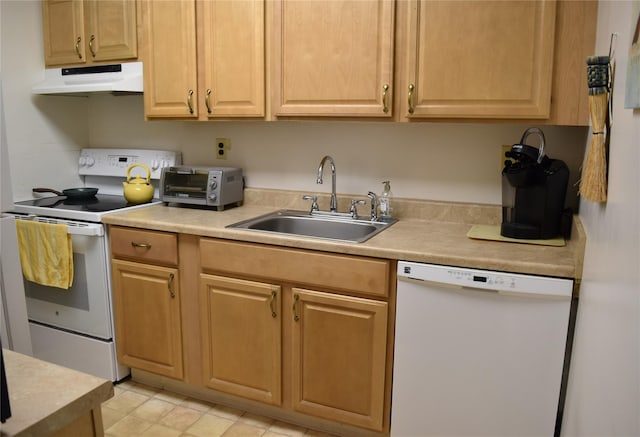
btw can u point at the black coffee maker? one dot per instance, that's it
(533, 191)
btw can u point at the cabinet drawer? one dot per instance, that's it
(338, 272)
(149, 246)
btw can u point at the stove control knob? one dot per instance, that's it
(155, 164)
(90, 161)
(214, 185)
(213, 196)
(82, 161)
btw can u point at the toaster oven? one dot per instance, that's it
(214, 187)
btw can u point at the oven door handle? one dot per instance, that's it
(73, 228)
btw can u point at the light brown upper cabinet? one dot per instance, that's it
(576, 23)
(332, 58)
(83, 32)
(477, 59)
(203, 59)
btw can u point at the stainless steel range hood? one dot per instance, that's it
(114, 78)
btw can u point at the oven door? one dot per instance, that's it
(85, 307)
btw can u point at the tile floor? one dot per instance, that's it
(140, 410)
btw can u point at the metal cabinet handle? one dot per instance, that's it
(189, 102)
(272, 303)
(91, 40)
(170, 286)
(385, 108)
(206, 100)
(78, 41)
(410, 98)
(143, 245)
(296, 298)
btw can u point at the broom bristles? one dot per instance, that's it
(593, 185)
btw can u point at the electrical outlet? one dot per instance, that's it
(223, 145)
(503, 150)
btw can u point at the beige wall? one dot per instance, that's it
(604, 387)
(43, 135)
(457, 162)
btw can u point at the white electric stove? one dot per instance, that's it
(74, 327)
(104, 169)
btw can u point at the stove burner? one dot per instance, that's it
(98, 203)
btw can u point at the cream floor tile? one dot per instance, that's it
(111, 416)
(117, 390)
(226, 412)
(210, 426)
(144, 389)
(161, 431)
(314, 433)
(256, 420)
(153, 409)
(174, 398)
(241, 429)
(180, 418)
(129, 426)
(287, 429)
(126, 385)
(126, 401)
(139, 410)
(197, 404)
(307, 433)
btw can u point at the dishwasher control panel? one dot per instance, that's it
(485, 279)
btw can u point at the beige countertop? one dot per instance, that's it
(430, 232)
(45, 397)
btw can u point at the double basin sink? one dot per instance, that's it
(333, 226)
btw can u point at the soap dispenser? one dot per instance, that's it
(385, 201)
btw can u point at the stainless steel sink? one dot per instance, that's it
(333, 226)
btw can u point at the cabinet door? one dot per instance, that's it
(339, 352)
(147, 317)
(111, 30)
(332, 58)
(63, 29)
(170, 70)
(232, 58)
(241, 333)
(480, 59)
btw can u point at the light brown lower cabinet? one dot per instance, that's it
(339, 355)
(241, 337)
(337, 350)
(305, 331)
(272, 330)
(147, 317)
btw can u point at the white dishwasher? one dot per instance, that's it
(478, 353)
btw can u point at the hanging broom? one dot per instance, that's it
(593, 185)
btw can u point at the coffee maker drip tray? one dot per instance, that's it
(492, 232)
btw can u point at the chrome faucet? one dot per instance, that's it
(333, 205)
(374, 205)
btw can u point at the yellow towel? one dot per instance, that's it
(46, 254)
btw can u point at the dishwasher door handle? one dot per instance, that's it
(486, 280)
(444, 285)
(450, 286)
